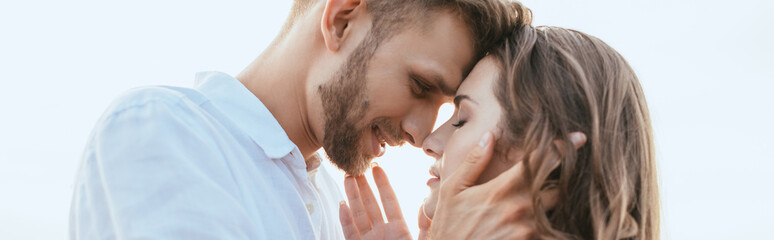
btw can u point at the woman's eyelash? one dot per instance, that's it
(459, 124)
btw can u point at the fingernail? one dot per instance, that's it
(342, 203)
(484, 140)
(576, 138)
(374, 164)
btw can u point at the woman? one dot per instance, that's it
(532, 93)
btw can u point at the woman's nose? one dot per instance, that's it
(432, 153)
(434, 143)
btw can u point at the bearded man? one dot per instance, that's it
(234, 157)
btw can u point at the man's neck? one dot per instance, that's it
(279, 79)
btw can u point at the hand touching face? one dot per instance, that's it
(476, 112)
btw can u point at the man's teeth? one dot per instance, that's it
(380, 137)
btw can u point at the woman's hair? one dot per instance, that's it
(556, 81)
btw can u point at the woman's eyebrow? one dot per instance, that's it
(459, 98)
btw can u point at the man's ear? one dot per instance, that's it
(336, 20)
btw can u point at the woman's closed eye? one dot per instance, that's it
(459, 123)
(460, 111)
(461, 120)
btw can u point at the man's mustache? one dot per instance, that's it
(391, 131)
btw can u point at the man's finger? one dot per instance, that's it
(389, 200)
(472, 167)
(578, 139)
(513, 178)
(362, 221)
(369, 201)
(549, 198)
(347, 222)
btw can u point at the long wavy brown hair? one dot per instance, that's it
(555, 81)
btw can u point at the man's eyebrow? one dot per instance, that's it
(445, 89)
(458, 99)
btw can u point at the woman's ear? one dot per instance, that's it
(336, 19)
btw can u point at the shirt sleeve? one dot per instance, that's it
(153, 170)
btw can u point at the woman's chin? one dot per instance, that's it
(429, 210)
(428, 207)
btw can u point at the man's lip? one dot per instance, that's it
(386, 137)
(378, 150)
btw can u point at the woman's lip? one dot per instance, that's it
(433, 181)
(434, 173)
(435, 178)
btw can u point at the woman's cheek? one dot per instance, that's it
(456, 150)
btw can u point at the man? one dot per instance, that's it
(233, 158)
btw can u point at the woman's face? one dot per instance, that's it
(476, 112)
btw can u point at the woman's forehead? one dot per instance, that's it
(480, 77)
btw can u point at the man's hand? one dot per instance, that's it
(498, 209)
(364, 219)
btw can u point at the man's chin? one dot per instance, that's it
(356, 171)
(355, 167)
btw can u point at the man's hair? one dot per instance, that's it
(487, 20)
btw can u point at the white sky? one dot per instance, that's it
(705, 67)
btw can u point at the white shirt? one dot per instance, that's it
(204, 163)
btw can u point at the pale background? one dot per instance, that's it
(705, 67)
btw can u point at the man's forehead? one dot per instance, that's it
(447, 85)
(442, 54)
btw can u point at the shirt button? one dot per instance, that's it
(310, 208)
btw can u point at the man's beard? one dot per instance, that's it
(345, 103)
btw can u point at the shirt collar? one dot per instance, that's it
(246, 111)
